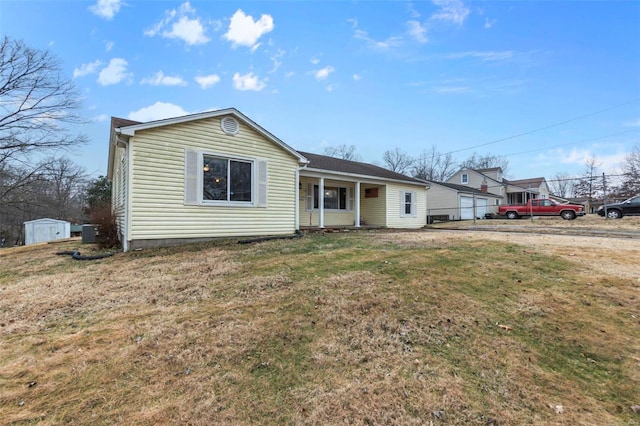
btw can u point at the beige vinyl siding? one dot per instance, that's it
(442, 201)
(157, 208)
(372, 210)
(331, 217)
(119, 190)
(393, 206)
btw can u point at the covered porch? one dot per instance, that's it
(329, 201)
(519, 196)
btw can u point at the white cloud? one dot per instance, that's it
(314, 60)
(323, 73)
(389, 43)
(357, 77)
(289, 74)
(451, 90)
(633, 123)
(248, 82)
(206, 81)
(417, 31)
(277, 60)
(108, 45)
(106, 9)
(353, 22)
(114, 73)
(180, 26)
(488, 23)
(159, 79)
(451, 11)
(157, 111)
(101, 118)
(86, 69)
(244, 31)
(485, 56)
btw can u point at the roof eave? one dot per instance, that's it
(377, 179)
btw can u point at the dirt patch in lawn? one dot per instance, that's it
(617, 255)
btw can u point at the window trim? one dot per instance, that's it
(313, 203)
(464, 178)
(194, 180)
(228, 201)
(403, 204)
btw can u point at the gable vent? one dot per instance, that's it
(229, 125)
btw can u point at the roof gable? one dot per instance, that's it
(124, 128)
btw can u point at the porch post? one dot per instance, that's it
(321, 203)
(356, 200)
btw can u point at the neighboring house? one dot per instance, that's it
(219, 174)
(510, 191)
(42, 230)
(519, 191)
(451, 201)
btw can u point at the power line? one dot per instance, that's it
(546, 127)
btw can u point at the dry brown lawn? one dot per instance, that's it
(442, 327)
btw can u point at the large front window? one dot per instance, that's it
(335, 198)
(226, 179)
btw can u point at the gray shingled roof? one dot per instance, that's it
(121, 122)
(324, 162)
(534, 182)
(463, 188)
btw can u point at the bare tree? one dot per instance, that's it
(590, 184)
(489, 161)
(345, 152)
(432, 165)
(37, 109)
(562, 184)
(397, 160)
(631, 173)
(36, 103)
(63, 187)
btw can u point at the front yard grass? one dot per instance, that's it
(326, 329)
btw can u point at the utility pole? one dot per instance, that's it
(604, 196)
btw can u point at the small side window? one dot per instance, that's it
(464, 178)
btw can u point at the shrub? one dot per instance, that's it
(103, 217)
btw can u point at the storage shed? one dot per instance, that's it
(41, 230)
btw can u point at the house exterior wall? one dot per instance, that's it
(443, 201)
(394, 217)
(157, 185)
(119, 191)
(373, 209)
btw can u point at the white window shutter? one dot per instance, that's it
(349, 199)
(262, 183)
(402, 214)
(191, 171)
(309, 196)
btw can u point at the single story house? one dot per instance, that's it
(219, 174)
(449, 201)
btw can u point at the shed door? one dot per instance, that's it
(45, 232)
(466, 207)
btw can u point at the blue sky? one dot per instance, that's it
(463, 76)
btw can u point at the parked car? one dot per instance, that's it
(542, 207)
(630, 207)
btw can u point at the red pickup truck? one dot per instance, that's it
(542, 207)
